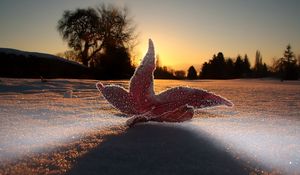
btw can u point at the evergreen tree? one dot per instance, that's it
(204, 73)
(192, 73)
(289, 64)
(246, 67)
(229, 71)
(217, 68)
(238, 67)
(220, 68)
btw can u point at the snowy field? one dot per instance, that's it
(66, 126)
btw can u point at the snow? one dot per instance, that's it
(261, 130)
(273, 143)
(35, 114)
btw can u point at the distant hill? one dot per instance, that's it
(22, 64)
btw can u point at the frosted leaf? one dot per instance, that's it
(173, 105)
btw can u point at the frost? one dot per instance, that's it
(170, 105)
(35, 115)
(262, 128)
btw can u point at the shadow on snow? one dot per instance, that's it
(157, 149)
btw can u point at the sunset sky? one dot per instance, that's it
(184, 32)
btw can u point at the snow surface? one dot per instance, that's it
(262, 129)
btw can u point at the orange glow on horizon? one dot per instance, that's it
(172, 54)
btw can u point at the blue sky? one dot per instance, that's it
(184, 32)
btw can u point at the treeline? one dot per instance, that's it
(285, 68)
(219, 67)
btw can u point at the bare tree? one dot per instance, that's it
(90, 31)
(115, 27)
(79, 29)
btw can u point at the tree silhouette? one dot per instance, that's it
(287, 65)
(80, 29)
(215, 68)
(69, 55)
(258, 60)
(113, 63)
(162, 72)
(205, 70)
(220, 68)
(241, 67)
(258, 64)
(116, 29)
(260, 69)
(246, 66)
(298, 65)
(90, 31)
(192, 73)
(238, 67)
(179, 74)
(229, 69)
